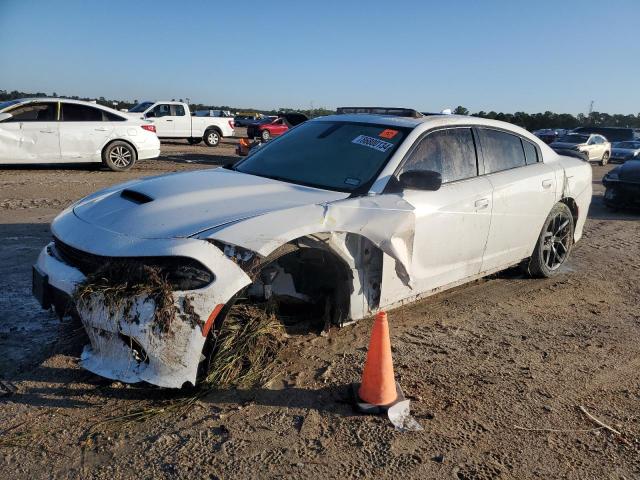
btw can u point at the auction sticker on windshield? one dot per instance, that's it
(371, 142)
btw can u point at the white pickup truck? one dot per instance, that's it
(174, 120)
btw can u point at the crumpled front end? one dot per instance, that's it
(127, 343)
(130, 346)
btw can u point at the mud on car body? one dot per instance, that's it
(343, 216)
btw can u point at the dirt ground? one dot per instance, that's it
(496, 371)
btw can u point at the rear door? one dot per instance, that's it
(84, 131)
(452, 223)
(31, 135)
(524, 191)
(181, 121)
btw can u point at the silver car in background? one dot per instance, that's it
(596, 147)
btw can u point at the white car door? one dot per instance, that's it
(452, 223)
(163, 120)
(84, 131)
(181, 122)
(524, 191)
(31, 135)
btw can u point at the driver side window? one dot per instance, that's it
(34, 112)
(162, 111)
(450, 152)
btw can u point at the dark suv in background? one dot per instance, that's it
(613, 134)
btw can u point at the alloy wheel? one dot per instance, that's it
(557, 240)
(120, 156)
(213, 138)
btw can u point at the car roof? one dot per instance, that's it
(426, 122)
(59, 99)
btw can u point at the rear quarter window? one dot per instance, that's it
(530, 152)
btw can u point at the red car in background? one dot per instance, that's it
(267, 128)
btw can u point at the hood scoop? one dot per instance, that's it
(135, 197)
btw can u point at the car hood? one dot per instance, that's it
(629, 171)
(184, 204)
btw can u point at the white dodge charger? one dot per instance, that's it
(59, 130)
(339, 218)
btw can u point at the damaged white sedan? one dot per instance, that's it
(339, 218)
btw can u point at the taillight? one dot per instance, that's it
(231, 124)
(150, 128)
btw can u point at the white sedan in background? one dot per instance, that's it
(58, 130)
(346, 214)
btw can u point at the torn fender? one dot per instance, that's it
(388, 221)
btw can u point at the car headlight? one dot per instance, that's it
(635, 154)
(612, 177)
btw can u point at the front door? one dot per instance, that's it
(31, 135)
(163, 120)
(452, 223)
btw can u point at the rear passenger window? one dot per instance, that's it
(450, 152)
(178, 110)
(73, 112)
(530, 152)
(111, 117)
(501, 151)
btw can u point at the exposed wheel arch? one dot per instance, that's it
(573, 207)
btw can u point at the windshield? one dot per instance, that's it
(574, 138)
(332, 155)
(141, 107)
(629, 145)
(8, 103)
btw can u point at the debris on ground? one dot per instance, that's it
(246, 348)
(400, 416)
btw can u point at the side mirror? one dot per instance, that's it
(5, 116)
(420, 180)
(150, 114)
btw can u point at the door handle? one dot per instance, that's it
(547, 183)
(101, 129)
(482, 203)
(47, 131)
(169, 120)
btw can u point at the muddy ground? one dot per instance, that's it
(496, 371)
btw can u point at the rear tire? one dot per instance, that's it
(119, 156)
(212, 138)
(605, 159)
(194, 141)
(554, 243)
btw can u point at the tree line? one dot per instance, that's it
(530, 121)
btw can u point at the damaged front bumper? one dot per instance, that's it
(133, 351)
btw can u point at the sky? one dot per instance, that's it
(507, 56)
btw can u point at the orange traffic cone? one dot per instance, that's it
(378, 390)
